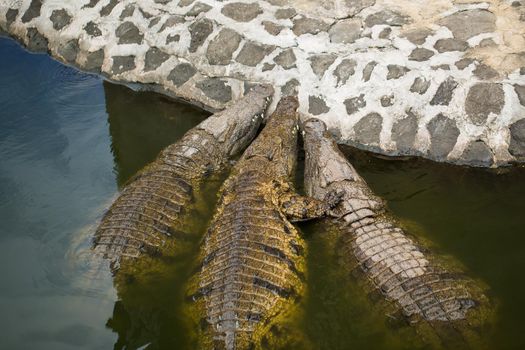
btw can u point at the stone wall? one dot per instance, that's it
(442, 79)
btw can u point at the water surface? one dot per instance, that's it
(69, 141)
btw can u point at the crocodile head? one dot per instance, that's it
(277, 144)
(237, 125)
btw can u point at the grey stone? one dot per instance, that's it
(522, 71)
(320, 63)
(172, 22)
(285, 13)
(520, 90)
(248, 86)
(395, 71)
(368, 129)
(387, 100)
(33, 11)
(69, 50)
(278, 2)
(467, 24)
(344, 70)
(94, 61)
(385, 33)
(421, 54)
(441, 66)
(36, 41)
(485, 72)
(483, 99)
(199, 30)
(367, 71)
(128, 33)
(123, 64)
(517, 139)
(91, 4)
(197, 9)
(106, 10)
(286, 59)
(181, 74)
(222, 47)
(444, 92)
(404, 133)
(346, 31)
(450, 44)
(272, 28)
(242, 12)
(216, 89)
(317, 105)
(252, 53)
(420, 85)
(154, 58)
(10, 16)
(341, 9)
(443, 136)
(418, 36)
(487, 42)
(60, 19)
(464, 63)
(388, 17)
(354, 104)
(127, 12)
(305, 25)
(290, 88)
(172, 38)
(145, 14)
(183, 3)
(335, 132)
(477, 153)
(153, 22)
(268, 66)
(92, 29)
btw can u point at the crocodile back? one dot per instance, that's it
(155, 205)
(160, 202)
(253, 264)
(417, 286)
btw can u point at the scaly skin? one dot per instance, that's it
(446, 309)
(154, 212)
(252, 265)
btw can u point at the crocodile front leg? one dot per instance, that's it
(302, 208)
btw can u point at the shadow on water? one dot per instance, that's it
(143, 123)
(58, 164)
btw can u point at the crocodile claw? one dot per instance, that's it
(333, 198)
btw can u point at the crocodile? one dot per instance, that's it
(154, 212)
(252, 263)
(415, 287)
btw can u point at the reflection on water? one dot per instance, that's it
(56, 175)
(68, 141)
(60, 164)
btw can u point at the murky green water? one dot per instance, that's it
(475, 215)
(68, 140)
